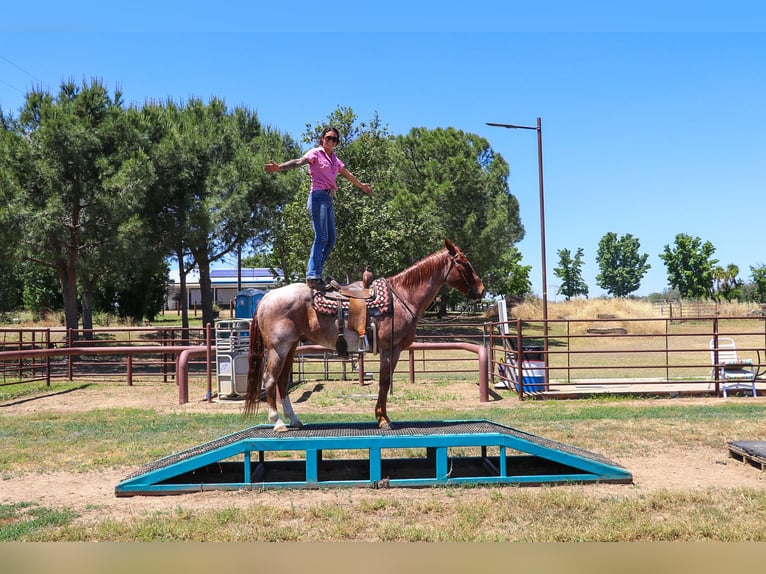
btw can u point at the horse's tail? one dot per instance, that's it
(255, 369)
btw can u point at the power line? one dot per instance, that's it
(12, 86)
(15, 65)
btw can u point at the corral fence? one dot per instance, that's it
(680, 309)
(569, 357)
(102, 353)
(641, 356)
(175, 354)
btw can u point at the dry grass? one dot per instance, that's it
(576, 309)
(532, 309)
(685, 488)
(593, 313)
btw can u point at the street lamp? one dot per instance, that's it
(539, 129)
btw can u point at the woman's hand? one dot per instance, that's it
(271, 167)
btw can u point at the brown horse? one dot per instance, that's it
(285, 316)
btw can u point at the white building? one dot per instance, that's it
(225, 285)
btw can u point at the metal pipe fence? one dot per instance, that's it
(654, 355)
(630, 355)
(104, 353)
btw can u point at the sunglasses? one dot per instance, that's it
(331, 139)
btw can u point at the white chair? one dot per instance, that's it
(733, 372)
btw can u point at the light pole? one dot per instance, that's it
(539, 129)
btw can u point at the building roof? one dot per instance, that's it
(247, 273)
(228, 277)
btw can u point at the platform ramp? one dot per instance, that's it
(413, 454)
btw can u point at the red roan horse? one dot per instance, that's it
(285, 316)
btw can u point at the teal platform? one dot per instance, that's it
(413, 454)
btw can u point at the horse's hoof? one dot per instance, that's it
(280, 427)
(383, 424)
(296, 424)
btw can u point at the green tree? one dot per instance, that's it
(727, 286)
(621, 265)
(367, 226)
(41, 292)
(515, 283)
(452, 184)
(428, 185)
(690, 266)
(569, 271)
(211, 194)
(68, 152)
(10, 288)
(759, 278)
(137, 292)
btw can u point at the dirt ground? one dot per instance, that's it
(92, 494)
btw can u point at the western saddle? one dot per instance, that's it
(355, 297)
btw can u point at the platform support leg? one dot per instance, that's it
(376, 467)
(312, 472)
(503, 463)
(247, 477)
(442, 470)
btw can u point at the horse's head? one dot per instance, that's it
(461, 275)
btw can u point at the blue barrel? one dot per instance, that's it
(533, 377)
(246, 301)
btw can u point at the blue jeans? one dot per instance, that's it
(323, 221)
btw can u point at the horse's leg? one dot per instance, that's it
(387, 365)
(284, 379)
(274, 367)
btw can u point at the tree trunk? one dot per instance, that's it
(206, 291)
(184, 301)
(87, 310)
(68, 280)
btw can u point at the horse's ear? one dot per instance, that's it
(451, 247)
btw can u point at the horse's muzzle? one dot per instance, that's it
(475, 294)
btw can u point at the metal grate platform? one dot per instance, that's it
(413, 454)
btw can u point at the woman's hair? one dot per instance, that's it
(327, 130)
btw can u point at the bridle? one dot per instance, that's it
(460, 270)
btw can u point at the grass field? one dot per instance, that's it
(63, 449)
(61, 455)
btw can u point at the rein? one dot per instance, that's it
(402, 301)
(453, 263)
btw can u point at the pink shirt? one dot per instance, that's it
(323, 169)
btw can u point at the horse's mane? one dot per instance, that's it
(421, 272)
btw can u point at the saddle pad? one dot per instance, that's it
(380, 299)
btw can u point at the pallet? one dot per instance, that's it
(751, 452)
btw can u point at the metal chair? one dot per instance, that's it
(733, 372)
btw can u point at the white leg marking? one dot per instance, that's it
(287, 408)
(280, 426)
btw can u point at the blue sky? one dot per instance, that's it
(653, 113)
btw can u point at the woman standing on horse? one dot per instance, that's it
(324, 166)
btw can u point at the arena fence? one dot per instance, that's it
(561, 358)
